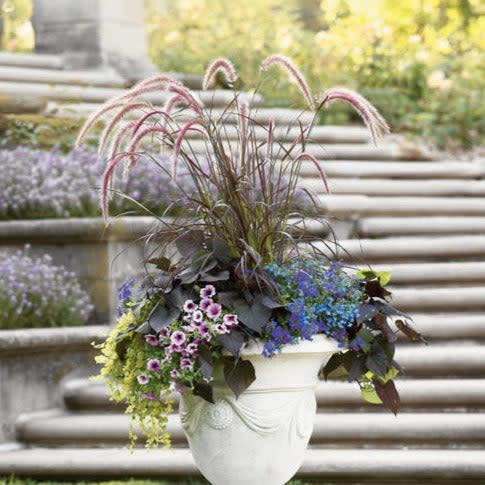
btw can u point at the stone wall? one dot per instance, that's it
(34, 364)
(102, 257)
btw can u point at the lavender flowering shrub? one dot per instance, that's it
(42, 184)
(35, 293)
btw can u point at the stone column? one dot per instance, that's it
(94, 33)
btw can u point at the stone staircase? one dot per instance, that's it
(393, 206)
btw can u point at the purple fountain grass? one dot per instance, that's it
(242, 196)
(373, 120)
(193, 103)
(219, 65)
(287, 63)
(315, 162)
(189, 126)
(116, 119)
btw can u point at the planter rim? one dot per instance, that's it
(320, 343)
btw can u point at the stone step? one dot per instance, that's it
(419, 299)
(355, 151)
(61, 92)
(102, 77)
(41, 61)
(448, 359)
(426, 273)
(450, 325)
(364, 251)
(330, 429)
(424, 394)
(285, 134)
(397, 226)
(392, 169)
(456, 394)
(396, 466)
(362, 205)
(385, 187)
(259, 115)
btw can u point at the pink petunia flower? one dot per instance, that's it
(151, 340)
(142, 379)
(214, 311)
(150, 396)
(190, 306)
(230, 320)
(153, 365)
(197, 316)
(208, 291)
(205, 303)
(178, 337)
(186, 363)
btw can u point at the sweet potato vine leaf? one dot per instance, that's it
(388, 394)
(238, 375)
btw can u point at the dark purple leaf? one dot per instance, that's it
(206, 362)
(203, 390)
(333, 363)
(388, 394)
(162, 317)
(232, 342)
(409, 331)
(377, 361)
(239, 376)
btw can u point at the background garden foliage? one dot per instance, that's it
(36, 293)
(420, 62)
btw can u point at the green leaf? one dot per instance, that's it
(239, 376)
(377, 361)
(384, 277)
(369, 394)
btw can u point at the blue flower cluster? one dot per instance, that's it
(320, 298)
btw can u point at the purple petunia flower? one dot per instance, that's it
(153, 365)
(164, 332)
(208, 291)
(197, 316)
(214, 311)
(174, 348)
(150, 396)
(220, 328)
(151, 340)
(191, 349)
(230, 321)
(178, 337)
(190, 306)
(186, 363)
(174, 373)
(142, 379)
(204, 304)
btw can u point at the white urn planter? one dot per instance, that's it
(261, 437)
